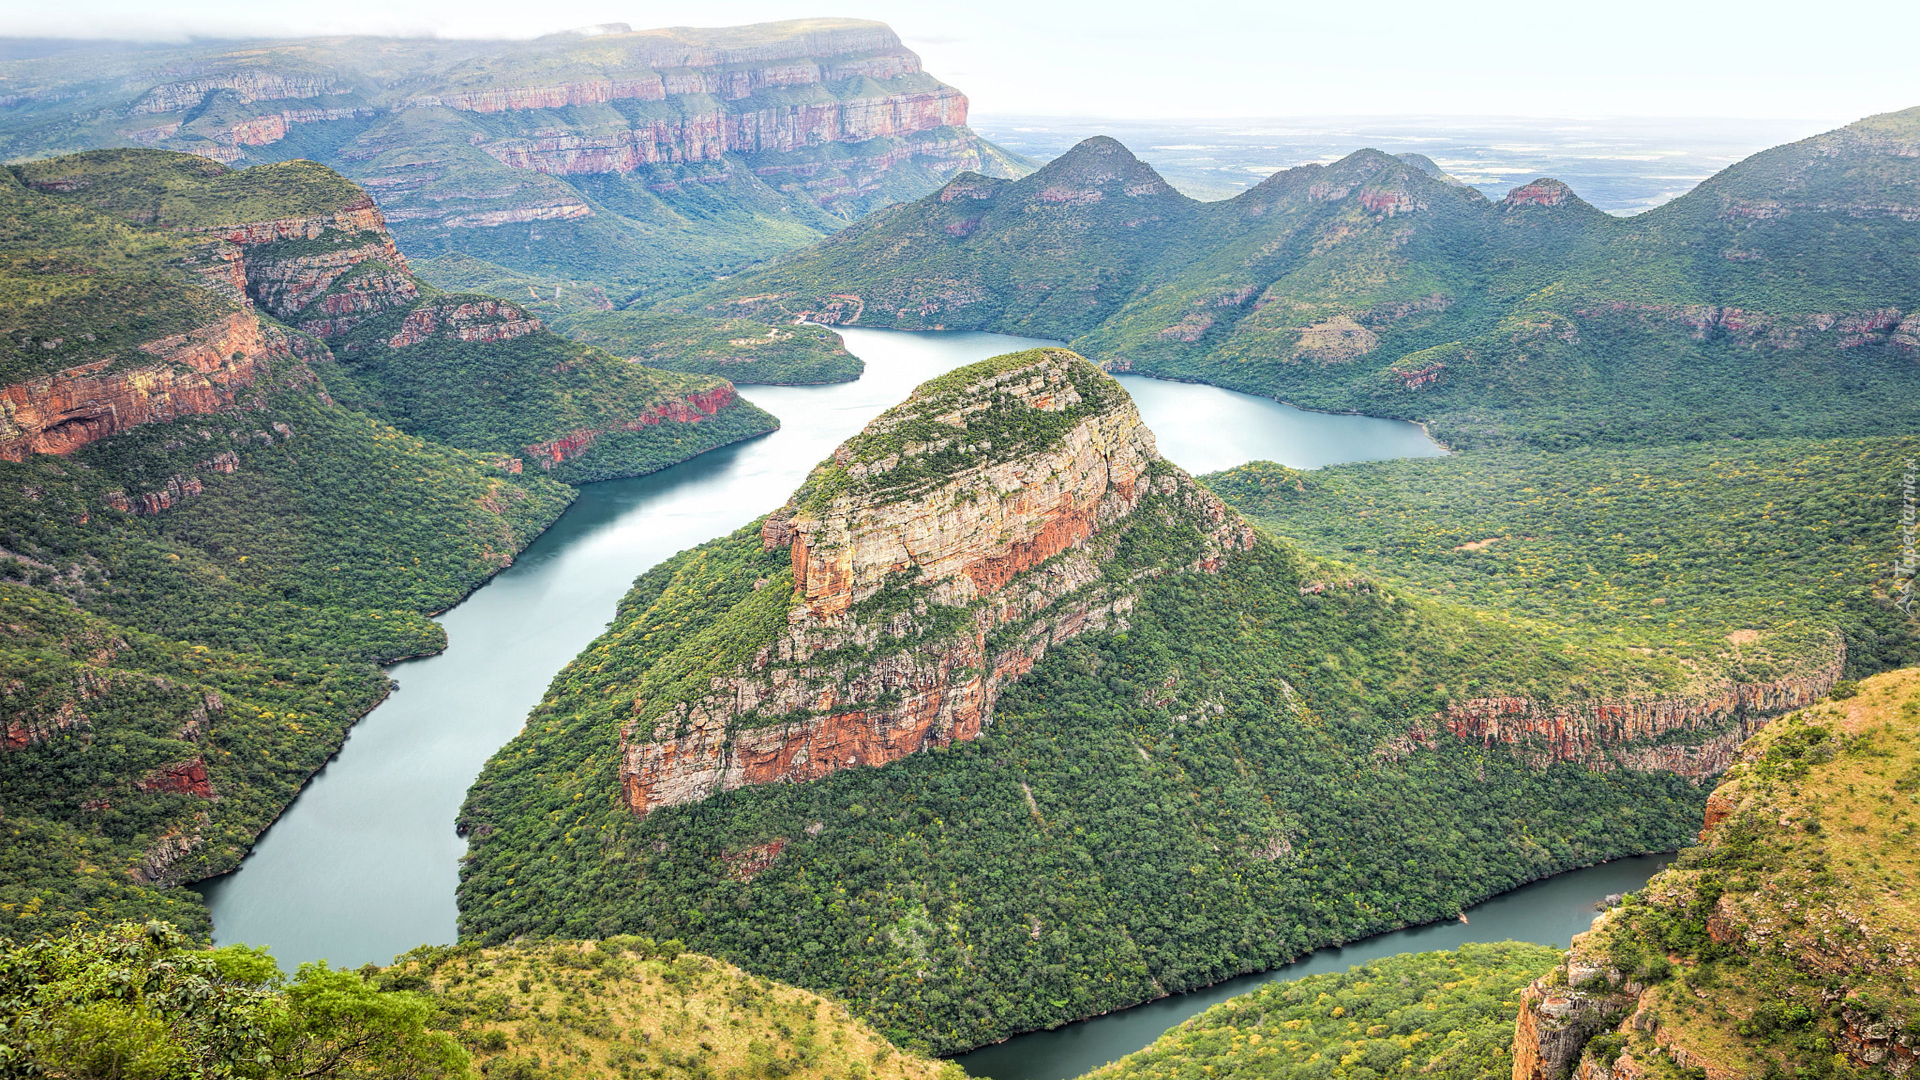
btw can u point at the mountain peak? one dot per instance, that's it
(1094, 165)
(1427, 165)
(1546, 191)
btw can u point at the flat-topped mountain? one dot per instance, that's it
(1769, 301)
(615, 157)
(1002, 720)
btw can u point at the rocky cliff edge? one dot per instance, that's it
(934, 558)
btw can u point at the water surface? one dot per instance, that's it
(1548, 912)
(363, 865)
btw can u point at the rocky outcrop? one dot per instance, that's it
(935, 558)
(199, 372)
(690, 409)
(1760, 330)
(477, 320)
(1542, 192)
(1564, 1009)
(187, 777)
(1639, 733)
(697, 136)
(349, 270)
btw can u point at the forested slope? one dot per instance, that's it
(214, 527)
(1775, 299)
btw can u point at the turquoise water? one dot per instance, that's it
(363, 865)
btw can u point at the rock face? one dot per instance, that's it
(324, 274)
(203, 371)
(831, 114)
(1562, 1010)
(1636, 733)
(358, 274)
(691, 409)
(470, 320)
(935, 557)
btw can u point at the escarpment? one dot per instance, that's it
(205, 370)
(1645, 734)
(933, 560)
(322, 273)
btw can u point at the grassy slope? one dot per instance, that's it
(1153, 810)
(1811, 884)
(1441, 1015)
(631, 1008)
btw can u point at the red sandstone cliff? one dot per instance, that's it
(1635, 733)
(690, 409)
(204, 371)
(1012, 543)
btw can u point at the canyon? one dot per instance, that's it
(464, 141)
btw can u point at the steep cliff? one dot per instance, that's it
(934, 559)
(738, 143)
(1642, 733)
(1785, 944)
(297, 241)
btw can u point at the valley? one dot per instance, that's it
(665, 554)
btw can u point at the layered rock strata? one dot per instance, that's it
(690, 409)
(474, 320)
(935, 558)
(198, 372)
(357, 274)
(1644, 734)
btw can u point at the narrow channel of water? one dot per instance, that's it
(363, 865)
(1547, 912)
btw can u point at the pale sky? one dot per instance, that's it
(1223, 58)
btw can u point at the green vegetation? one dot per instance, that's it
(513, 396)
(1444, 1015)
(139, 1002)
(1769, 302)
(741, 350)
(621, 216)
(184, 191)
(1785, 944)
(246, 625)
(136, 1002)
(77, 285)
(632, 1008)
(1732, 558)
(198, 607)
(912, 447)
(1219, 788)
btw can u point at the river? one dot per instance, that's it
(363, 864)
(1547, 912)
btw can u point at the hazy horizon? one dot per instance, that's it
(1219, 59)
